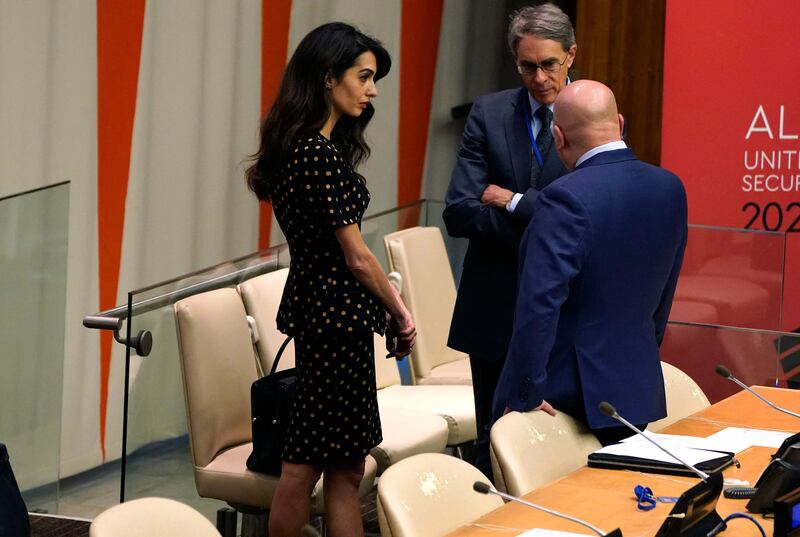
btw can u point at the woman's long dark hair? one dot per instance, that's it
(301, 107)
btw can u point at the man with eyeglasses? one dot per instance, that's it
(506, 157)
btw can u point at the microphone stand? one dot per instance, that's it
(695, 512)
(485, 488)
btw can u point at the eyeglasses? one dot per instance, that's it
(548, 66)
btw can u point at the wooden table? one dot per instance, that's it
(605, 498)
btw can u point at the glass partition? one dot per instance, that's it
(728, 309)
(157, 460)
(731, 277)
(756, 357)
(419, 213)
(33, 270)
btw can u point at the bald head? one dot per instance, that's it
(585, 116)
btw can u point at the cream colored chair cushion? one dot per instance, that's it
(430, 496)
(429, 292)
(456, 404)
(450, 373)
(684, 397)
(533, 448)
(262, 297)
(151, 517)
(408, 432)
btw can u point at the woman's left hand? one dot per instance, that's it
(403, 332)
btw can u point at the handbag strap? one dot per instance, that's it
(278, 356)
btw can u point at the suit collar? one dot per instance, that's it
(608, 157)
(519, 98)
(517, 139)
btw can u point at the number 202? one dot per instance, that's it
(772, 216)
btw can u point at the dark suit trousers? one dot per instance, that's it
(485, 374)
(607, 435)
(612, 435)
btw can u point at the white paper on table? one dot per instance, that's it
(738, 439)
(551, 533)
(645, 450)
(670, 440)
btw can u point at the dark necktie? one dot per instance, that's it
(543, 141)
(545, 137)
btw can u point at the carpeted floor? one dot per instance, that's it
(47, 526)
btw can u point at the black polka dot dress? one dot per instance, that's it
(329, 313)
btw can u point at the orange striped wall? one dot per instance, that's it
(119, 42)
(419, 45)
(275, 18)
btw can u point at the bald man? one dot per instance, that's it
(599, 262)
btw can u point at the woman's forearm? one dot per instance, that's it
(366, 269)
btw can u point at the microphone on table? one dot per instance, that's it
(607, 409)
(781, 475)
(695, 512)
(726, 373)
(485, 488)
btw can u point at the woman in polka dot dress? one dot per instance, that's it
(336, 294)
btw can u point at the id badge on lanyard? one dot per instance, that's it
(528, 124)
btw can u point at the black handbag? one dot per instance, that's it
(271, 400)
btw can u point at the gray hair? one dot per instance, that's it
(545, 21)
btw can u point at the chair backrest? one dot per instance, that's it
(262, 298)
(533, 448)
(151, 517)
(429, 292)
(684, 397)
(218, 367)
(431, 495)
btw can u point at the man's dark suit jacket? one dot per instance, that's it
(495, 149)
(600, 261)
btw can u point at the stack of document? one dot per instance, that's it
(637, 453)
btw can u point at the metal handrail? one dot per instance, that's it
(96, 320)
(106, 320)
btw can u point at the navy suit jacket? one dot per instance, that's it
(495, 149)
(599, 264)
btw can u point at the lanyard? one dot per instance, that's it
(528, 122)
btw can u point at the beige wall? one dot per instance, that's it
(197, 108)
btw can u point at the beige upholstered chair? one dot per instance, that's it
(262, 297)
(218, 366)
(533, 448)
(151, 517)
(430, 495)
(429, 292)
(455, 403)
(406, 432)
(684, 397)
